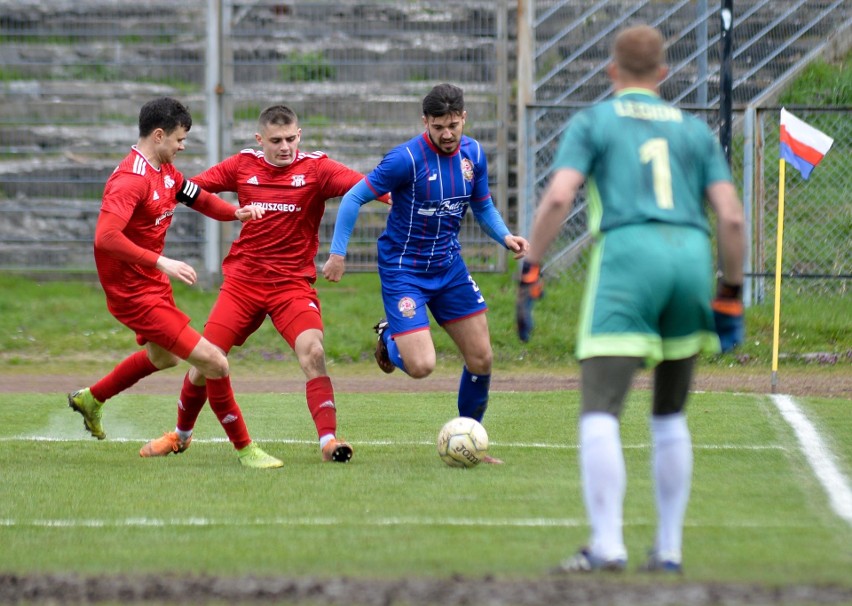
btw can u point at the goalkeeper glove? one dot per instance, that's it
(530, 289)
(728, 315)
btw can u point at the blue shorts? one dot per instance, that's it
(451, 295)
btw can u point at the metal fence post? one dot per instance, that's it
(502, 113)
(213, 92)
(726, 76)
(748, 199)
(526, 68)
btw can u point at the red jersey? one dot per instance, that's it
(144, 196)
(283, 244)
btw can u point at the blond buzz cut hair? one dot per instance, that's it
(639, 51)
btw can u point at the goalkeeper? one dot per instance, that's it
(648, 169)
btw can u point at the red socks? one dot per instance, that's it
(320, 396)
(190, 403)
(127, 373)
(228, 411)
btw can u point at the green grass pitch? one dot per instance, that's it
(73, 504)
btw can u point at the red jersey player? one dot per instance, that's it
(138, 204)
(270, 268)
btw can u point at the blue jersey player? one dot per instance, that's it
(433, 179)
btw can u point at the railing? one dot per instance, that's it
(570, 49)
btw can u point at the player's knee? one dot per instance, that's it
(195, 376)
(215, 366)
(480, 362)
(419, 369)
(313, 356)
(164, 360)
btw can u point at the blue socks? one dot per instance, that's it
(393, 351)
(473, 394)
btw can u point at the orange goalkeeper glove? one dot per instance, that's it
(530, 289)
(728, 315)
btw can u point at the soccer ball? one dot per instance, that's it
(462, 442)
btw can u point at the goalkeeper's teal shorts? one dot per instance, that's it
(648, 294)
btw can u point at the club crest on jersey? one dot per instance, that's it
(168, 182)
(407, 307)
(298, 181)
(467, 169)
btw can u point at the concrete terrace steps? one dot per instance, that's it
(76, 72)
(358, 44)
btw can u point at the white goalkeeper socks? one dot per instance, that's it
(672, 471)
(604, 483)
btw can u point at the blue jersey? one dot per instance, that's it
(430, 193)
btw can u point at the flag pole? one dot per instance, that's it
(776, 321)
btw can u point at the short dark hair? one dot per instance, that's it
(280, 115)
(165, 113)
(442, 100)
(639, 51)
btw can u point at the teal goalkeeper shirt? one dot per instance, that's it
(644, 161)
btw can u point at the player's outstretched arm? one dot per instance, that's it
(347, 215)
(555, 204)
(215, 207)
(730, 232)
(490, 220)
(730, 228)
(553, 208)
(492, 224)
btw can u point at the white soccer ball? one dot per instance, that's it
(462, 442)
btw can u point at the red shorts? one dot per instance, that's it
(156, 319)
(240, 309)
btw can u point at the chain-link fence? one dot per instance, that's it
(816, 267)
(562, 59)
(74, 74)
(548, 123)
(567, 47)
(815, 271)
(816, 248)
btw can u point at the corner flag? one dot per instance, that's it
(802, 145)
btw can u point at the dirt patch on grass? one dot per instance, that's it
(798, 382)
(458, 591)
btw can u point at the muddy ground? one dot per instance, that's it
(545, 591)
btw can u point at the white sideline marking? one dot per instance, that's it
(819, 456)
(377, 522)
(541, 445)
(298, 521)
